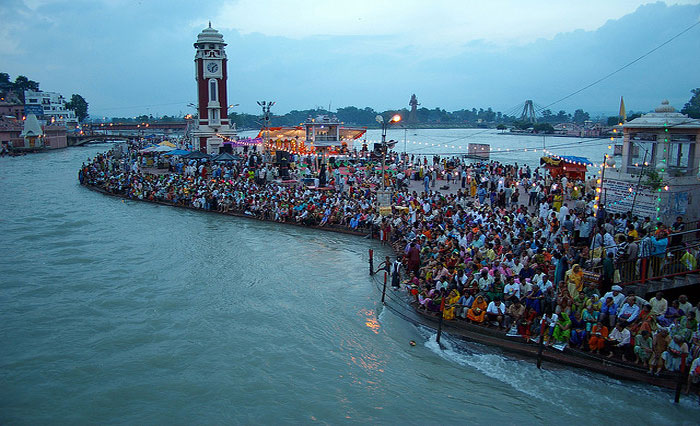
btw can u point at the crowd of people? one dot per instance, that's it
(512, 248)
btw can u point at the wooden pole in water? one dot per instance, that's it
(442, 309)
(384, 289)
(681, 379)
(371, 262)
(541, 345)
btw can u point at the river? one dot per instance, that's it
(127, 312)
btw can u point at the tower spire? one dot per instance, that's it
(209, 24)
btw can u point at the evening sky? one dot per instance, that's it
(130, 57)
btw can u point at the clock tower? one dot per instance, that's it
(210, 72)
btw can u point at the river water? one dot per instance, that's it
(126, 312)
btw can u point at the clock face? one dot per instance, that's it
(212, 67)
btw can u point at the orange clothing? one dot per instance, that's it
(477, 312)
(597, 342)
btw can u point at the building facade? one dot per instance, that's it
(49, 106)
(210, 62)
(658, 172)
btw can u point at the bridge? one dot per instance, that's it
(86, 138)
(181, 125)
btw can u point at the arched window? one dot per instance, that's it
(212, 90)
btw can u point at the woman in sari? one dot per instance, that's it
(578, 329)
(451, 304)
(477, 312)
(590, 317)
(574, 279)
(599, 335)
(672, 314)
(644, 322)
(686, 326)
(579, 302)
(594, 302)
(642, 347)
(533, 299)
(558, 199)
(564, 302)
(562, 329)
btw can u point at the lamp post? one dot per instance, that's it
(385, 124)
(266, 120)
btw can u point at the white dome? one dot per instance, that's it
(209, 35)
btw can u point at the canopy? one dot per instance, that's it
(195, 155)
(555, 160)
(178, 152)
(225, 157)
(299, 133)
(569, 166)
(166, 143)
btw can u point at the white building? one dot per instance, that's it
(49, 105)
(658, 173)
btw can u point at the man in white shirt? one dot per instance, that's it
(658, 304)
(511, 291)
(683, 304)
(563, 212)
(616, 294)
(496, 312)
(619, 342)
(628, 312)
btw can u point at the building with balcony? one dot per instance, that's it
(50, 107)
(658, 172)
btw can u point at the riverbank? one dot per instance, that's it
(328, 228)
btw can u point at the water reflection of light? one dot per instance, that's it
(371, 321)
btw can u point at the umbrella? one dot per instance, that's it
(196, 155)
(225, 157)
(166, 143)
(163, 148)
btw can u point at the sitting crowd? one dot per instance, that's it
(480, 253)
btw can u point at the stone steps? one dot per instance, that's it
(653, 286)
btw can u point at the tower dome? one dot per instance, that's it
(209, 35)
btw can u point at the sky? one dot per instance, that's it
(129, 57)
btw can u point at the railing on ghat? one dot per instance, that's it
(683, 258)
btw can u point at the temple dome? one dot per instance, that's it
(665, 107)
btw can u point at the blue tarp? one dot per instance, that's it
(177, 152)
(572, 159)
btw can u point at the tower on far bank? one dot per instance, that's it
(213, 126)
(413, 115)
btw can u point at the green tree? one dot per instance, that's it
(692, 107)
(543, 128)
(5, 82)
(501, 127)
(562, 117)
(581, 116)
(613, 120)
(21, 84)
(547, 116)
(78, 104)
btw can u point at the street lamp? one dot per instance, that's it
(266, 120)
(385, 124)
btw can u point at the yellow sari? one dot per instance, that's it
(450, 305)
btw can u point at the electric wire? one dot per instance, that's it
(622, 67)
